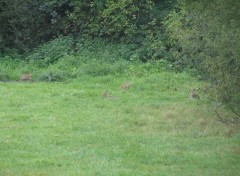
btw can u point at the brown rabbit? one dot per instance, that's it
(193, 95)
(105, 94)
(26, 77)
(108, 96)
(125, 86)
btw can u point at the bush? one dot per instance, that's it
(54, 76)
(4, 77)
(50, 52)
(10, 68)
(206, 37)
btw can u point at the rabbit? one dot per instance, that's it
(125, 86)
(26, 77)
(193, 95)
(105, 94)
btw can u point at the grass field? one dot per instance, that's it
(152, 128)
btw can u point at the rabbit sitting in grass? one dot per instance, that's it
(125, 86)
(193, 94)
(26, 77)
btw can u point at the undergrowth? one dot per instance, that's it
(56, 61)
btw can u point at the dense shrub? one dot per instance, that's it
(206, 37)
(27, 24)
(53, 76)
(51, 51)
(4, 77)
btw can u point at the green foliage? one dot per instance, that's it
(21, 25)
(30, 23)
(4, 77)
(56, 62)
(104, 50)
(206, 37)
(126, 19)
(86, 49)
(51, 51)
(10, 68)
(53, 76)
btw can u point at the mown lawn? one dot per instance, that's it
(152, 128)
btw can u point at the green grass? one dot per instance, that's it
(153, 128)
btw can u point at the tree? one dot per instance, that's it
(27, 23)
(206, 35)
